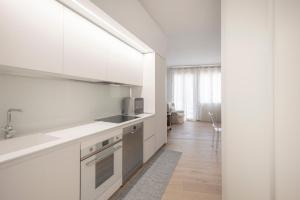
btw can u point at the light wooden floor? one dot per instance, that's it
(198, 173)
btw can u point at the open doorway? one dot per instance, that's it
(193, 56)
(194, 96)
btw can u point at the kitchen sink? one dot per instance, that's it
(23, 142)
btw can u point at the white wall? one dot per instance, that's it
(247, 112)
(49, 103)
(287, 98)
(131, 15)
(260, 56)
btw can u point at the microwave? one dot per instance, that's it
(132, 106)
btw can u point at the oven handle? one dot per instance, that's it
(114, 149)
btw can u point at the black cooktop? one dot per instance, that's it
(117, 118)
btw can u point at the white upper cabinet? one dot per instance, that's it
(86, 47)
(135, 65)
(116, 69)
(46, 36)
(125, 64)
(31, 34)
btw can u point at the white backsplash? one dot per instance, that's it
(52, 103)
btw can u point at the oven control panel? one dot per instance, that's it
(99, 146)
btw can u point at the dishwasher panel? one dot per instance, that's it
(132, 150)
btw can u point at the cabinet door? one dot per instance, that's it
(49, 176)
(117, 63)
(160, 102)
(135, 66)
(149, 128)
(85, 47)
(149, 148)
(125, 64)
(31, 35)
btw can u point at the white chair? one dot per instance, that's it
(217, 130)
(177, 116)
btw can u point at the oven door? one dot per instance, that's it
(100, 171)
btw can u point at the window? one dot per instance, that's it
(194, 88)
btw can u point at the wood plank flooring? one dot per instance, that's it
(198, 173)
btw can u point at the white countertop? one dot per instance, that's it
(19, 147)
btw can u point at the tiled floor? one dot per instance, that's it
(198, 173)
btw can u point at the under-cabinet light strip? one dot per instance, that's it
(131, 41)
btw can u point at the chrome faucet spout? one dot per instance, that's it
(9, 132)
(9, 111)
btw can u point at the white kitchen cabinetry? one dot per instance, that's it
(86, 47)
(149, 138)
(45, 36)
(53, 175)
(48, 37)
(90, 52)
(135, 65)
(117, 64)
(149, 148)
(149, 128)
(31, 35)
(160, 101)
(154, 93)
(125, 64)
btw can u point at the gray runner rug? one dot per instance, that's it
(150, 182)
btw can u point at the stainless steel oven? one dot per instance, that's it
(101, 167)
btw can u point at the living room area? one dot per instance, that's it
(194, 97)
(194, 124)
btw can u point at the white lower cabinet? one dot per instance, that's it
(149, 138)
(149, 148)
(161, 130)
(54, 175)
(149, 128)
(155, 135)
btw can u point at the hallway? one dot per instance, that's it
(198, 173)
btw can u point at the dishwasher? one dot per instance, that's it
(132, 149)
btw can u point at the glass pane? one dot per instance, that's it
(104, 170)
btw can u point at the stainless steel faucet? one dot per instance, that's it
(9, 131)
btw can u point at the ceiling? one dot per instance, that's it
(193, 28)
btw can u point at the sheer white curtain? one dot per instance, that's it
(197, 90)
